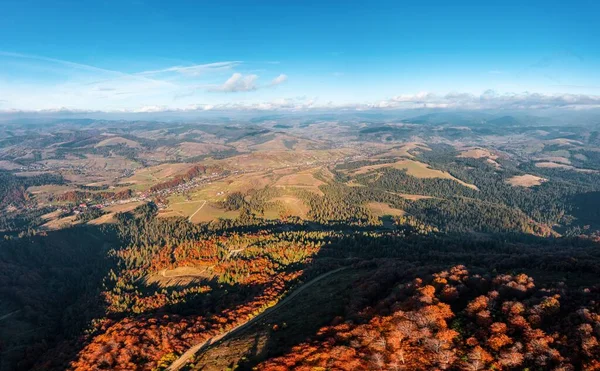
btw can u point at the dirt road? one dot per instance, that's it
(177, 364)
(196, 212)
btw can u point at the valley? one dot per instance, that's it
(284, 242)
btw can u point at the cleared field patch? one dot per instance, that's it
(113, 141)
(413, 168)
(477, 153)
(480, 153)
(283, 142)
(112, 210)
(8, 165)
(154, 174)
(304, 180)
(246, 182)
(30, 173)
(300, 179)
(95, 163)
(180, 276)
(413, 197)
(186, 208)
(104, 219)
(167, 213)
(60, 223)
(92, 168)
(554, 165)
(526, 180)
(53, 215)
(325, 173)
(564, 141)
(404, 150)
(274, 159)
(380, 209)
(122, 208)
(352, 183)
(210, 212)
(293, 206)
(218, 190)
(557, 159)
(190, 149)
(49, 188)
(273, 212)
(197, 211)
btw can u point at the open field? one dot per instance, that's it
(265, 160)
(273, 212)
(198, 211)
(293, 205)
(352, 183)
(557, 159)
(151, 175)
(8, 165)
(305, 180)
(186, 208)
(111, 211)
(95, 162)
(413, 168)
(210, 212)
(554, 165)
(283, 142)
(413, 197)
(180, 276)
(191, 149)
(477, 153)
(565, 142)
(112, 141)
(526, 180)
(404, 150)
(480, 153)
(51, 216)
(60, 223)
(49, 188)
(218, 190)
(380, 209)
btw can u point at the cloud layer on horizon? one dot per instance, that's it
(489, 100)
(226, 85)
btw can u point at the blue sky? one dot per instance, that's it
(157, 55)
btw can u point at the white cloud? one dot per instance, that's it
(152, 109)
(279, 80)
(491, 100)
(237, 83)
(244, 83)
(195, 70)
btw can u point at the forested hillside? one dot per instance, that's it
(272, 245)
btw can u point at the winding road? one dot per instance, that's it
(178, 363)
(9, 314)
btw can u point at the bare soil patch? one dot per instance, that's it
(526, 180)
